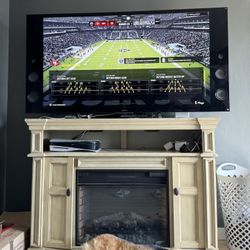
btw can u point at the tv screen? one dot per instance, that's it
(140, 62)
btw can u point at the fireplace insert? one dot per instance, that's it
(132, 205)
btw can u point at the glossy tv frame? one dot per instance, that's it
(128, 62)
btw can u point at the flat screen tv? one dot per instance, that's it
(133, 62)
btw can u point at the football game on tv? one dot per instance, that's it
(153, 61)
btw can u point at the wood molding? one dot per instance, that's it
(53, 214)
(123, 124)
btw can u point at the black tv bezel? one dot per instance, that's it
(218, 45)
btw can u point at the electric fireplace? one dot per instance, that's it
(132, 205)
(132, 189)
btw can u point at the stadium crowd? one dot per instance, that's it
(54, 46)
(196, 42)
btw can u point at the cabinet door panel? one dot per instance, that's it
(210, 203)
(57, 205)
(188, 202)
(37, 201)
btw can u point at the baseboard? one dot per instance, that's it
(221, 233)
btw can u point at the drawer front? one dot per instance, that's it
(122, 163)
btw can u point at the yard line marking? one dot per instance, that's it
(94, 50)
(147, 43)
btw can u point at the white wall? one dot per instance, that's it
(232, 137)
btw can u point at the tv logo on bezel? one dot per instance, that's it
(199, 103)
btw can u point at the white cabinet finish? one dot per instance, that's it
(58, 202)
(192, 182)
(188, 206)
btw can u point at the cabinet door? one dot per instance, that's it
(58, 202)
(188, 219)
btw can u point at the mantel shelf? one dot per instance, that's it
(123, 124)
(121, 153)
(42, 129)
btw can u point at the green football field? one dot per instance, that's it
(106, 55)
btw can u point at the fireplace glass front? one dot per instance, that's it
(132, 205)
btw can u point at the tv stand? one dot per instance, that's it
(128, 144)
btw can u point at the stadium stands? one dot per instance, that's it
(190, 31)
